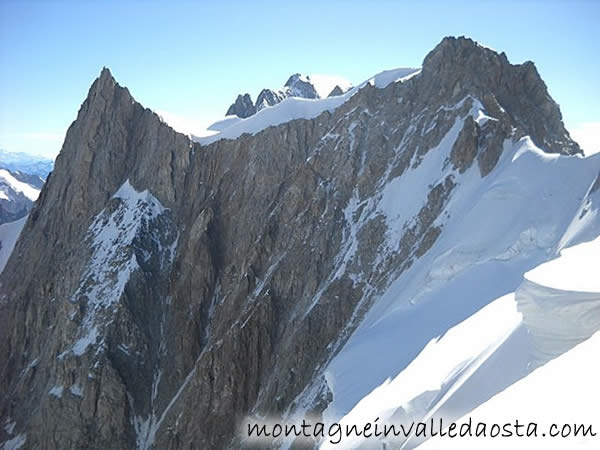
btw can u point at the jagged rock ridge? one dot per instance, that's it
(172, 288)
(296, 86)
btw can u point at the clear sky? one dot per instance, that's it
(189, 60)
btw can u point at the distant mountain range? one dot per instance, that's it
(26, 163)
(297, 85)
(21, 178)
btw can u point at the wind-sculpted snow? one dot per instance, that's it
(9, 233)
(558, 306)
(494, 231)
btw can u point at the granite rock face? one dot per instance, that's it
(166, 289)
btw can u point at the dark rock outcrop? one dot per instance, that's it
(268, 97)
(335, 91)
(243, 107)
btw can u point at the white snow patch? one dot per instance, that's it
(580, 262)
(220, 125)
(77, 390)
(84, 342)
(481, 118)
(123, 348)
(405, 195)
(28, 191)
(15, 443)
(9, 233)
(57, 391)
(383, 79)
(112, 262)
(9, 427)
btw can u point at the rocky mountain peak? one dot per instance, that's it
(297, 85)
(294, 79)
(104, 84)
(461, 50)
(301, 86)
(242, 107)
(105, 96)
(105, 74)
(458, 67)
(337, 90)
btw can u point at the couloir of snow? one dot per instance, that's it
(9, 233)
(295, 108)
(111, 237)
(429, 344)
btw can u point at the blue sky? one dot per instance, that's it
(189, 60)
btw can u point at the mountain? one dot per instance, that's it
(297, 86)
(292, 264)
(26, 163)
(337, 90)
(242, 107)
(18, 191)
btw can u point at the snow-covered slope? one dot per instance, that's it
(560, 307)
(18, 191)
(556, 307)
(497, 230)
(9, 233)
(8, 182)
(564, 393)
